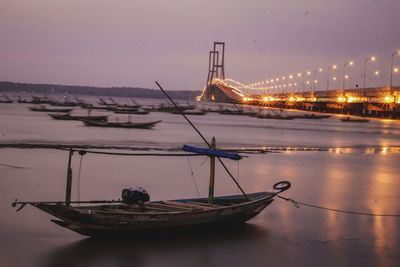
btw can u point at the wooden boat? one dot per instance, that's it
(78, 118)
(312, 116)
(349, 119)
(273, 117)
(143, 125)
(188, 112)
(46, 109)
(124, 217)
(131, 111)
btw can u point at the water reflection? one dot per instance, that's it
(183, 248)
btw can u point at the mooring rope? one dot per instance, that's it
(297, 204)
(12, 166)
(194, 180)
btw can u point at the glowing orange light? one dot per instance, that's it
(292, 99)
(388, 99)
(341, 99)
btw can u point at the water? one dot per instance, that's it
(339, 165)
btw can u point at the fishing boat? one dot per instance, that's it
(312, 116)
(349, 119)
(78, 118)
(188, 112)
(117, 124)
(130, 111)
(273, 117)
(46, 109)
(135, 212)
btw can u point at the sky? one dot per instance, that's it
(133, 43)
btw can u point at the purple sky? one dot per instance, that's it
(133, 43)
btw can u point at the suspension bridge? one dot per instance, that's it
(288, 92)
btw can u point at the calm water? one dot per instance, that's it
(330, 163)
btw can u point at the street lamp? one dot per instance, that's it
(391, 69)
(327, 79)
(351, 63)
(365, 67)
(315, 77)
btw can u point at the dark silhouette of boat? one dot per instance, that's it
(78, 118)
(142, 125)
(130, 111)
(311, 116)
(46, 109)
(274, 116)
(349, 119)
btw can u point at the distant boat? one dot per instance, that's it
(349, 119)
(188, 112)
(312, 116)
(78, 118)
(143, 125)
(273, 117)
(46, 109)
(130, 111)
(5, 100)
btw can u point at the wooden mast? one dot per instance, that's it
(212, 174)
(69, 180)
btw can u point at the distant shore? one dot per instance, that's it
(29, 88)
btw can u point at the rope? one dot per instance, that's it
(297, 204)
(79, 178)
(194, 180)
(12, 166)
(134, 154)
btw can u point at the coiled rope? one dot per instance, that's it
(297, 204)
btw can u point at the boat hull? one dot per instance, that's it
(95, 221)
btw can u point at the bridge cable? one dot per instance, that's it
(297, 204)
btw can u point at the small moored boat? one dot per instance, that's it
(78, 118)
(116, 124)
(349, 119)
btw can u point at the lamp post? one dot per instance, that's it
(344, 71)
(365, 68)
(377, 72)
(391, 69)
(315, 78)
(327, 79)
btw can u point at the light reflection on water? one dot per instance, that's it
(352, 168)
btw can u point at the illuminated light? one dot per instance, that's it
(388, 99)
(266, 82)
(308, 82)
(283, 78)
(373, 58)
(350, 99)
(262, 82)
(351, 63)
(246, 99)
(320, 69)
(212, 97)
(315, 81)
(277, 79)
(272, 99)
(284, 85)
(292, 99)
(396, 69)
(376, 72)
(266, 99)
(290, 84)
(290, 76)
(334, 78)
(272, 80)
(299, 74)
(308, 72)
(341, 99)
(334, 67)
(346, 76)
(295, 84)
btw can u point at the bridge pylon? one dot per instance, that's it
(216, 62)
